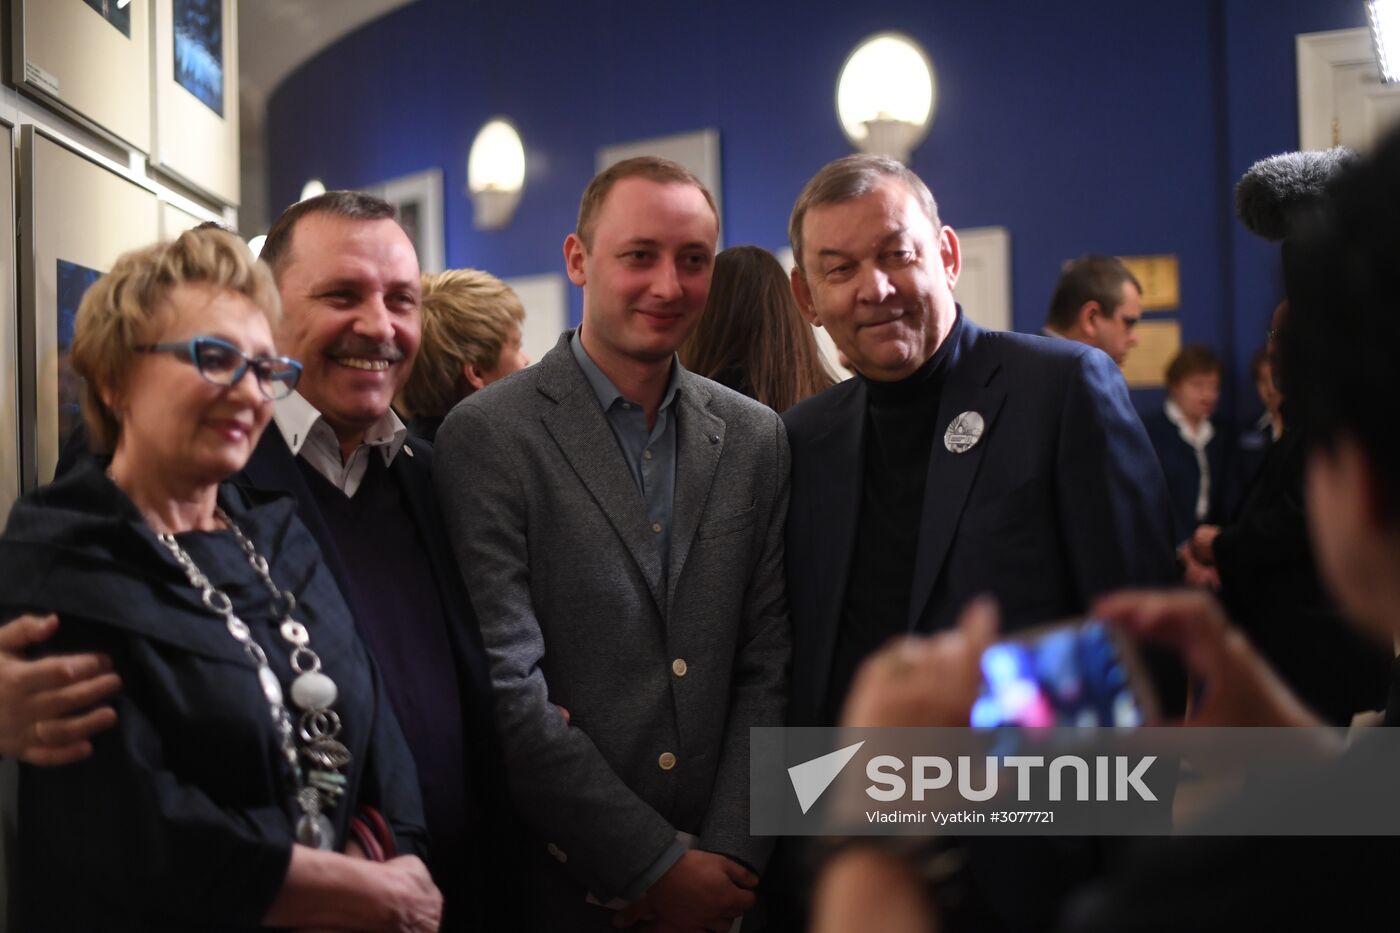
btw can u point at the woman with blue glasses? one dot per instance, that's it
(256, 775)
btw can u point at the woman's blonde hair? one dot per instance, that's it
(119, 312)
(468, 316)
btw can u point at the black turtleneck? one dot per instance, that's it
(900, 430)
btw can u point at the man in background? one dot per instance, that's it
(1099, 302)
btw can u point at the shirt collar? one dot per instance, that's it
(1198, 438)
(603, 387)
(299, 421)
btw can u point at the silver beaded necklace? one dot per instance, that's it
(312, 692)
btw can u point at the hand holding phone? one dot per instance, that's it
(1077, 673)
(923, 680)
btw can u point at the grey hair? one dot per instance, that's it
(853, 177)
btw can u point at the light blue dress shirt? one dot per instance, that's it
(650, 454)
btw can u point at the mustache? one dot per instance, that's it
(367, 349)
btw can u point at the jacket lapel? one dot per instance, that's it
(586, 440)
(412, 472)
(951, 475)
(837, 462)
(697, 457)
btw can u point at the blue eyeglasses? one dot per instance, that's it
(223, 364)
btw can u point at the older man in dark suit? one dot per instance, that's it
(619, 522)
(959, 462)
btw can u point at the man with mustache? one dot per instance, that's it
(349, 281)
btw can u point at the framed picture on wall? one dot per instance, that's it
(58, 261)
(9, 333)
(418, 198)
(546, 301)
(195, 131)
(984, 285)
(89, 58)
(697, 151)
(175, 220)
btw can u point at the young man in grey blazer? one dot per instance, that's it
(619, 522)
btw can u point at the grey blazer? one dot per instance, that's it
(663, 682)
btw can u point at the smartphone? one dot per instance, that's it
(1077, 673)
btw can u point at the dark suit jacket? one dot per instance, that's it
(272, 467)
(1061, 499)
(1183, 474)
(182, 818)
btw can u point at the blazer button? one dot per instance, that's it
(557, 852)
(667, 761)
(678, 667)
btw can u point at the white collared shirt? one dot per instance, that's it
(1266, 422)
(307, 435)
(1198, 439)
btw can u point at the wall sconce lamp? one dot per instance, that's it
(313, 188)
(1384, 16)
(495, 174)
(885, 95)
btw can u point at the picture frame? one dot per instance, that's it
(9, 333)
(697, 150)
(546, 301)
(418, 200)
(194, 126)
(984, 284)
(1341, 98)
(175, 220)
(58, 259)
(90, 59)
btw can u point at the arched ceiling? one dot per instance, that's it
(277, 36)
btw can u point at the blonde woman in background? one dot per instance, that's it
(471, 338)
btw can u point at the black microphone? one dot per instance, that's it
(1280, 195)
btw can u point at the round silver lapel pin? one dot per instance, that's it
(964, 432)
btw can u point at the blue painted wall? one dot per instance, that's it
(1081, 126)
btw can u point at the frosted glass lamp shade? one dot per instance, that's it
(885, 95)
(495, 174)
